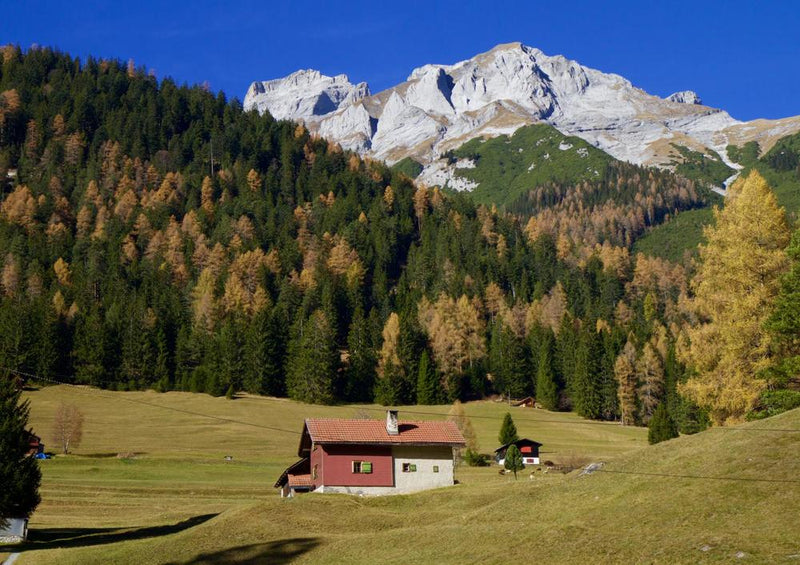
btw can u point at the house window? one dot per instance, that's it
(409, 468)
(363, 467)
(314, 472)
(436, 468)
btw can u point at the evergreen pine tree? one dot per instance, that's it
(228, 355)
(19, 473)
(662, 427)
(388, 388)
(427, 382)
(508, 431)
(508, 362)
(513, 461)
(161, 371)
(360, 374)
(89, 348)
(546, 389)
(587, 383)
(313, 361)
(275, 353)
(254, 378)
(784, 322)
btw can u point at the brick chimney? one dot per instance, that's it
(391, 423)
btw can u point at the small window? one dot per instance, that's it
(409, 468)
(363, 467)
(436, 468)
(314, 472)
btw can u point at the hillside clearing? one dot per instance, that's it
(179, 502)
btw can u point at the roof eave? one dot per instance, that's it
(393, 443)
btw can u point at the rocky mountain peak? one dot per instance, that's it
(304, 94)
(685, 97)
(439, 107)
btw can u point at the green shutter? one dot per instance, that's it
(366, 467)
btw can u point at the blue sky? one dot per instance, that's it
(738, 55)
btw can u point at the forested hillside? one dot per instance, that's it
(780, 166)
(156, 235)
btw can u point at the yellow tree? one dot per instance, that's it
(625, 373)
(734, 288)
(651, 390)
(390, 348)
(207, 196)
(253, 181)
(204, 304)
(455, 332)
(421, 199)
(391, 373)
(460, 418)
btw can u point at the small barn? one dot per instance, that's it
(528, 448)
(16, 531)
(296, 478)
(371, 457)
(35, 445)
(527, 402)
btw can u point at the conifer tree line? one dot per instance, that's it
(158, 236)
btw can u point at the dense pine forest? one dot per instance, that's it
(157, 236)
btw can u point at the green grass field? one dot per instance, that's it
(177, 501)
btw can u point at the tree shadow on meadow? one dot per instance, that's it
(51, 538)
(275, 553)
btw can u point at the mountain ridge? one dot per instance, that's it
(441, 107)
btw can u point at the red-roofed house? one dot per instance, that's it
(372, 457)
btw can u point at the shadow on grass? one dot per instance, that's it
(51, 538)
(274, 552)
(113, 455)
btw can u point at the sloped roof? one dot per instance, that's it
(297, 468)
(300, 481)
(521, 441)
(325, 430)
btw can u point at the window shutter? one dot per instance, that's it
(366, 467)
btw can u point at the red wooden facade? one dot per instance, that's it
(334, 465)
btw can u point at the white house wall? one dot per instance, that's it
(525, 460)
(425, 459)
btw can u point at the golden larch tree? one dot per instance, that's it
(625, 373)
(735, 286)
(390, 348)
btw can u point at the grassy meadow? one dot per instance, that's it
(150, 485)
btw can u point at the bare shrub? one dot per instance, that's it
(68, 426)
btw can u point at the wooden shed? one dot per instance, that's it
(528, 448)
